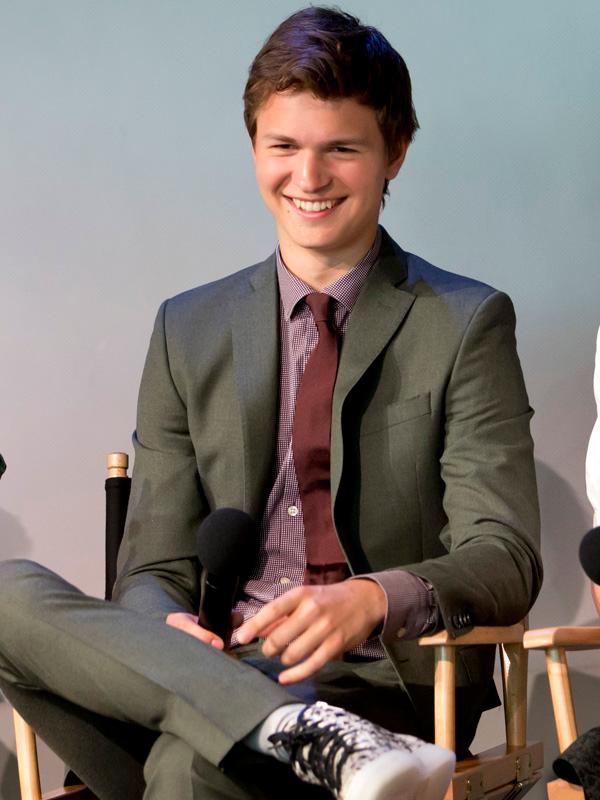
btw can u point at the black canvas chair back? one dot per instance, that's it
(117, 487)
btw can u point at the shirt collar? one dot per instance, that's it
(345, 289)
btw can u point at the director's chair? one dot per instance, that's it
(505, 772)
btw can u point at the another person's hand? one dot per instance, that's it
(312, 625)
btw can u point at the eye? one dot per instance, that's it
(340, 148)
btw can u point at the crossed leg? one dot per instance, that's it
(101, 682)
(140, 709)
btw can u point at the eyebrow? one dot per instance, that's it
(346, 142)
(279, 137)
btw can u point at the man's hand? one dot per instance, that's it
(188, 623)
(312, 625)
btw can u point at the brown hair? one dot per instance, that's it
(333, 55)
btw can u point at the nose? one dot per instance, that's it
(311, 173)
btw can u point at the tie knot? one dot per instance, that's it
(321, 306)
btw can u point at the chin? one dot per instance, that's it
(323, 245)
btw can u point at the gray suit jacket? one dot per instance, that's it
(431, 456)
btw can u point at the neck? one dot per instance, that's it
(319, 268)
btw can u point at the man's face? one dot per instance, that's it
(321, 167)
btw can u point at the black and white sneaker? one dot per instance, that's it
(358, 760)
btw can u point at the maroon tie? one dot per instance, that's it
(325, 562)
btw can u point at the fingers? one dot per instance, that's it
(321, 632)
(270, 615)
(269, 630)
(188, 623)
(331, 648)
(326, 652)
(310, 625)
(301, 633)
(305, 625)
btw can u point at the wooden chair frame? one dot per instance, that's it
(555, 642)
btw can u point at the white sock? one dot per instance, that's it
(279, 720)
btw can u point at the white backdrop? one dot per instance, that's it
(125, 177)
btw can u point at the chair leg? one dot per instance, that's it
(29, 776)
(514, 660)
(562, 699)
(444, 693)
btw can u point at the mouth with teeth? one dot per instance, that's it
(314, 208)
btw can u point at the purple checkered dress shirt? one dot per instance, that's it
(282, 556)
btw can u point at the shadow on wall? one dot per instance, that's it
(14, 542)
(564, 522)
(586, 696)
(9, 778)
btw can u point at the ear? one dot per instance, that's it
(394, 165)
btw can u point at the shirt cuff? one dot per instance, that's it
(412, 608)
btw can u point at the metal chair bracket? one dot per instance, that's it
(475, 787)
(523, 767)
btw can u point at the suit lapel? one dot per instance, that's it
(380, 309)
(255, 327)
(377, 315)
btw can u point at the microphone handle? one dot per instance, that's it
(217, 594)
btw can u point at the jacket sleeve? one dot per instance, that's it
(157, 567)
(492, 572)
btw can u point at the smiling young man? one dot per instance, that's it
(368, 411)
(320, 166)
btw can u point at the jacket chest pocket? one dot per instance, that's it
(397, 413)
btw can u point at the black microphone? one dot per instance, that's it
(589, 554)
(227, 544)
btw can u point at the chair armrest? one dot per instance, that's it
(569, 638)
(556, 641)
(514, 679)
(511, 634)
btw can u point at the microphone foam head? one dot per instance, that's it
(227, 542)
(589, 554)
